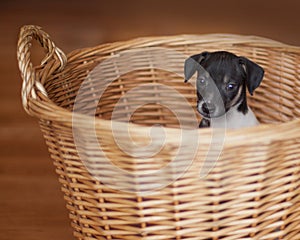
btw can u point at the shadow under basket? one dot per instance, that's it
(121, 128)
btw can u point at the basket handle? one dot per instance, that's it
(31, 83)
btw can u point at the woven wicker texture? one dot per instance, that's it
(253, 190)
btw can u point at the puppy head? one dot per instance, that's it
(222, 80)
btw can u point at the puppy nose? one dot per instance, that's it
(208, 108)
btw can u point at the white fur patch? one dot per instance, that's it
(234, 119)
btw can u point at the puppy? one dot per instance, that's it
(222, 81)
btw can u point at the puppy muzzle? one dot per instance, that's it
(210, 110)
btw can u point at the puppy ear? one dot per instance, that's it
(254, 73)
(191, 65)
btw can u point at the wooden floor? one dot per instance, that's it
(31, 204)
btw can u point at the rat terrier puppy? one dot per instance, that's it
(222, 81)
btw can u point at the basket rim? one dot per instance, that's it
(252, 135)
(148, 41)
(256, 134)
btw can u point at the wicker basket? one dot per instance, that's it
(120, 181)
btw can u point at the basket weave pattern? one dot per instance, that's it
(253, 191)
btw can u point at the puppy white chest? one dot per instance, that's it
(234, 119)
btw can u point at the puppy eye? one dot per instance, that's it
(202, 80)
(230, 86)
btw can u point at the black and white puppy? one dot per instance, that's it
(222, 81)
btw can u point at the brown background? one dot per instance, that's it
(31, 205)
